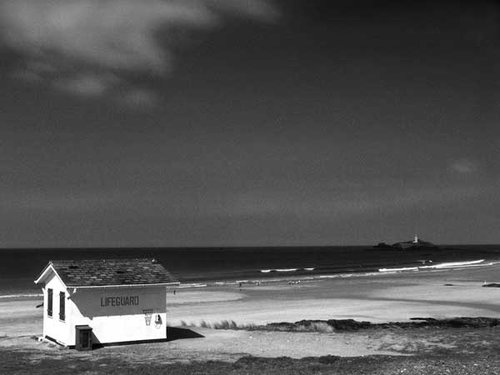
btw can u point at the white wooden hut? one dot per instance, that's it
(97, 302)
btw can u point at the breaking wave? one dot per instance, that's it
(447, 265)
(269, 270)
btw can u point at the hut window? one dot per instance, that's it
(49, 302)
(62, 309)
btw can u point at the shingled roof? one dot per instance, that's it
(109, 272)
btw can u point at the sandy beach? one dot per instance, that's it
(385, 298)
(374, 299)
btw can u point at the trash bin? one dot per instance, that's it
(83, 338)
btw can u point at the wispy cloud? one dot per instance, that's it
(341, 205)
(140, 98)
(86, 84)
(463, 166)
(89, 46)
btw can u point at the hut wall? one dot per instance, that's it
(120, 314)
(53, 326)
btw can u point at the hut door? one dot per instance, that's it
(83, 338)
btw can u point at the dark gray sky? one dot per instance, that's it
(233, 122)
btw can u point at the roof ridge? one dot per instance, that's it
(98, 259)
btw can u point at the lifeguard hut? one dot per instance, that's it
(89, 302)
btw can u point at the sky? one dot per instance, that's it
(248, 122)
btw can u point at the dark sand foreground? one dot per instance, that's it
(196, 347)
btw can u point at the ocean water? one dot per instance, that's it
(20, 267)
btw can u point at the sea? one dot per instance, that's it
(199, 267)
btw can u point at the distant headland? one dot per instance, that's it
(415, 244)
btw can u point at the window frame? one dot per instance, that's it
(50, 302)
(62, 306)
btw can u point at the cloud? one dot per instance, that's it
(338, 205)
(86, 84)
(77, 45)
(463, 166)
(139, 99)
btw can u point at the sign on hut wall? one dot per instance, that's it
(120, 301)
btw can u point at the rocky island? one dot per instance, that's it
(415, 244)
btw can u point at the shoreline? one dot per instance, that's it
(220, 266)
(336, 287)
(291, 277)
